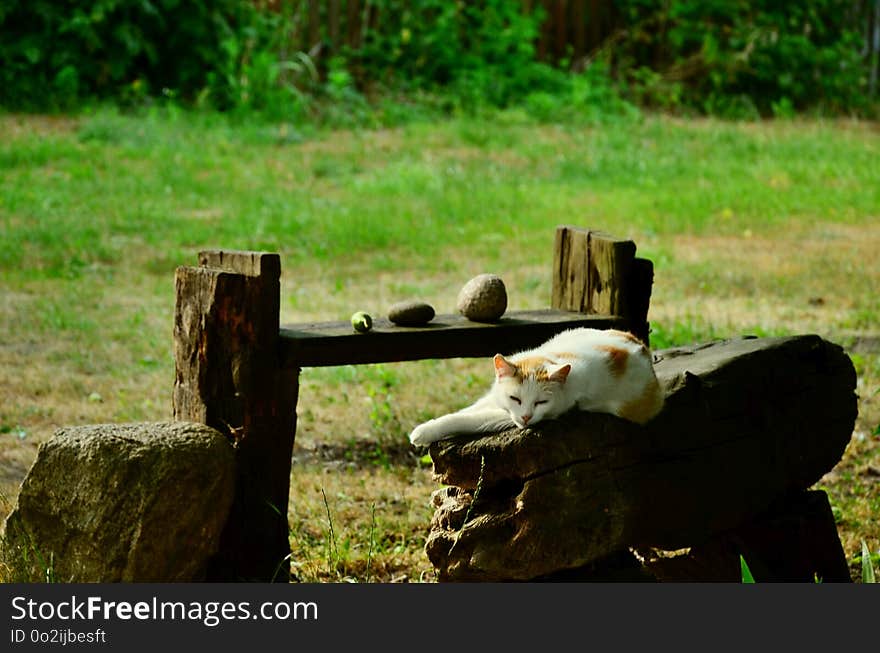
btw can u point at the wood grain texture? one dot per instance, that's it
(599, 274)
(609, 261)
(228, 377)
(569, 290)
(251, 264)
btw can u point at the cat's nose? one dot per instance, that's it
(526, 418)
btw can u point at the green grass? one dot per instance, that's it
(764, 228)
(745, 571)
(79, 201)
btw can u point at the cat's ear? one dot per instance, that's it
(560, 374)
(503, 367)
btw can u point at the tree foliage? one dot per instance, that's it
(728, 57)
(734, 56)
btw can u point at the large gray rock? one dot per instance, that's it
(483, 298)
(747, 423)
(122, 502)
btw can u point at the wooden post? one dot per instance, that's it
(226, 335)
(595, 273)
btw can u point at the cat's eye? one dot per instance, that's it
(516, 399)
(540, 401)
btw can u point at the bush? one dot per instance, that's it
(58, 51)
(741, 59)
(479, 52)
(729, 57)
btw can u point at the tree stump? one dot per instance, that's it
(748, 425)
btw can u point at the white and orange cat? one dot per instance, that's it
(605, 371)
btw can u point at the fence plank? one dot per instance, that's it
(579, 28)
(595, 273)
(560, 29)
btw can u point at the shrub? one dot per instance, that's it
(480, 52)
(729, 57)
(739, 58)
(58, 51)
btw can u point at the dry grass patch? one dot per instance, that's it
(818, 278)
(353, 520)
(15, 126)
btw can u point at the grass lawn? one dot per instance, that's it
(762, 228)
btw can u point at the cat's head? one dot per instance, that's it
(530, 389)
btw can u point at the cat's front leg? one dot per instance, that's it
(470, 421)
(427, 433)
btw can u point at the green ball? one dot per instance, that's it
(362, 322)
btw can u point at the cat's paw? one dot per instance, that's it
(424, 434)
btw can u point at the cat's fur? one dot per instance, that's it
(606, 371)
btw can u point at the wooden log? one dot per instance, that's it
(228, 376)
(795, 540)
(595, 273)
(446, 336)
(746, 423)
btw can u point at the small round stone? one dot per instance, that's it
(361, 322)
(483, 298)
(411, 313)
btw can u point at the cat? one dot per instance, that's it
(606, 371)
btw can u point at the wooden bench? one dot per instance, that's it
(237, 368)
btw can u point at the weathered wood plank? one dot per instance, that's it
(609, 261)
(228, 377)
(569, 291)
(638, 297)
(446, 336)
(251, 264)
(598, 274)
